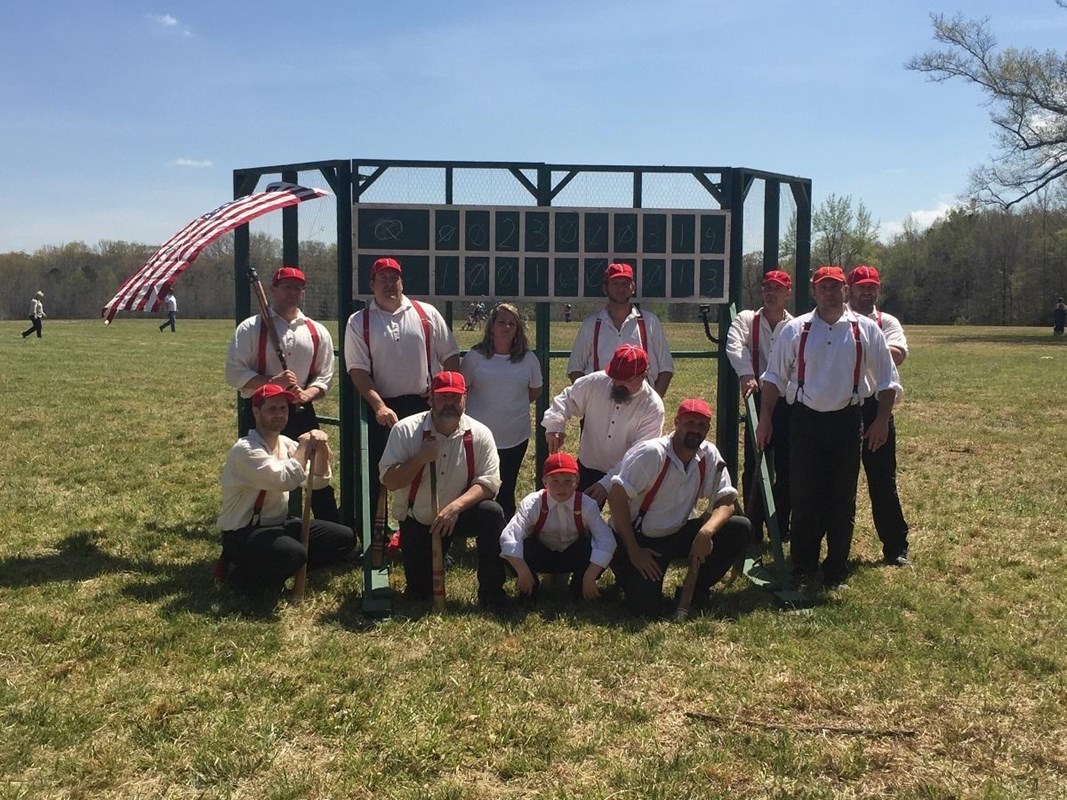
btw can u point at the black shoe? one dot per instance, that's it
(897, 561)
(495, 605)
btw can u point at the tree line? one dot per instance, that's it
(978, 266)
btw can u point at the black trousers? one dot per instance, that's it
(587, 476)
(484, 521)
(301, 420)
(510, 464)
(824, 452)
(573, 561)
(266, 557)
(378, 435)
(779, 456)
(644, 597)
(169, 322)
(881, 468)
(35, 325)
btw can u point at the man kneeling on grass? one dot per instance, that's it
(261, 547)
(558, 530)
(653, 499)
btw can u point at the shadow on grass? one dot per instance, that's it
(173, 587)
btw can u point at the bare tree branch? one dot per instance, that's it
(1026, 92)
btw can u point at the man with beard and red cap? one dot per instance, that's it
(653, 499)
(880, 465)
(463, 454)
(619, 407)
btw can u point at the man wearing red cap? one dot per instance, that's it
(392, 347)
(621, 322)
(558, 530)
(463, 454)
(748, 345)
(261, 545)
(880, 465)
(652, 500)
(252, 362)
(826, 363)
(619, 409)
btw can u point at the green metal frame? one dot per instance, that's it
(729, 186)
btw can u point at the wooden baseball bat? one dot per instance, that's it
(300, 580)
(377, 536)
(685, 598)
(264, 312)
(437, 555)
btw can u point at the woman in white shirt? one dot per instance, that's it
(503, 377)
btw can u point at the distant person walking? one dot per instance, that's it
(1059, 317)
(37, 314)
(172, 310)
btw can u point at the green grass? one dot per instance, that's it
(127, 673)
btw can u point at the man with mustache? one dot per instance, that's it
(652, 500)
(620, 408)
(462, 452)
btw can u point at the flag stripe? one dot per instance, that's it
(145, 288)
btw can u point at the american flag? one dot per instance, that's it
(146, 287)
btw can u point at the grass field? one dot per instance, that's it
(127, 673)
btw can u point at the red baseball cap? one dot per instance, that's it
(828, 274)
(694, 406)
(385, 263)
(780, 277)
(863, 274)
(449, 382)
(268, 390)
(629, 362)
(287, 273)
(560, 462)
(618, 271)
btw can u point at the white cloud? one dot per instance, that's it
(166, 20)
(194, 163)
(921, 219)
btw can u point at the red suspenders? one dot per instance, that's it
(646, 504)
(261, 357)
(426, 335)
(642, 334)
(468, 449)
(542, 517)
(855, 370)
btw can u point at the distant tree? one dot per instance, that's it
(1027, 96)
(841, 234)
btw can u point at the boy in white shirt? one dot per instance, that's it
(558, 530)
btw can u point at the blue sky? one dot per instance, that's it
(124, 120)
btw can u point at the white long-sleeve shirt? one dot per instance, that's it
(251, 467)
(739, 342)
(830, 358)
(611, 428)
(559, 531)
(610, 338)
(242, 359)
(405, 440)
(676, 499)
(396, 360)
